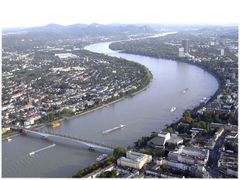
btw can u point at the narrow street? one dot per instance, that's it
(214, 157)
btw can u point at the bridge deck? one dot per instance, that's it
(87, 142)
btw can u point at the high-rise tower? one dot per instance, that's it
(185, 45)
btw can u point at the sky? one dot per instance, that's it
(29, 13)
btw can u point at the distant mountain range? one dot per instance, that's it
(84, 29)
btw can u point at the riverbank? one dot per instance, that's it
(195, 108)
(210, 71)
(212, 98)
(44, 124)
(149, 80)
(10, 135)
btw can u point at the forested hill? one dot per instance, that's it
(79, 30)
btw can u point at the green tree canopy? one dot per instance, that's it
(119, 151)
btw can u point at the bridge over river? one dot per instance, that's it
(91, 145)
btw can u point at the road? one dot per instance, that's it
(214, 157)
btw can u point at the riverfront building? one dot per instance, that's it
(190, 155)
(181, 52)
(160, 140)
(134, 160)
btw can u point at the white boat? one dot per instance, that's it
(173, 109)
(31, 153)
(9, 139)
(101, 157)
(204, 100)
(185, 90)
(113, 129)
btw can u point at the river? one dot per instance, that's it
(145, 112)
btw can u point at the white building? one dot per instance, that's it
(160, 140)
(190, 155)
(175, 139)
(174, 164)
(181, 52)
(4, 130)
(31, 119)
(222, 52)
(134, 160)
(66, 55)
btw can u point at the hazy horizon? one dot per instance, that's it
(28, 13)
(52, 23)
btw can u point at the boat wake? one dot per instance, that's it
(113, 129)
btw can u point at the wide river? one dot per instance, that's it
(145, 112)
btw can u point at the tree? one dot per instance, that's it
(170, 146)
(109, 174)
(119, 152)
(129, 148)
(142, 142)
(67, 112)
(187, 117)
(170, 130)
(181, 129)
(231, 115)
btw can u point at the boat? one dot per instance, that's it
(101, 157)
(113, 129)
(204, 100)
(91, 149)
(31, 153)
(185, 90)
(56, 124)
(173, 109)
(9, 139)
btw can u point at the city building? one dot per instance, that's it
(160, 140)
(4, 130)
(181, 52)
(175, 139)
(222, 52)
(134, 160)
(190, 155)
(66, 55)
(185, 45)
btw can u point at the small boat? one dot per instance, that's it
(113, 129)
(205, 98)
(101, 157)
(173, 109)
(91, 149)
(9, 139)
(185, 90)
(56, 124)
(31, 153)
